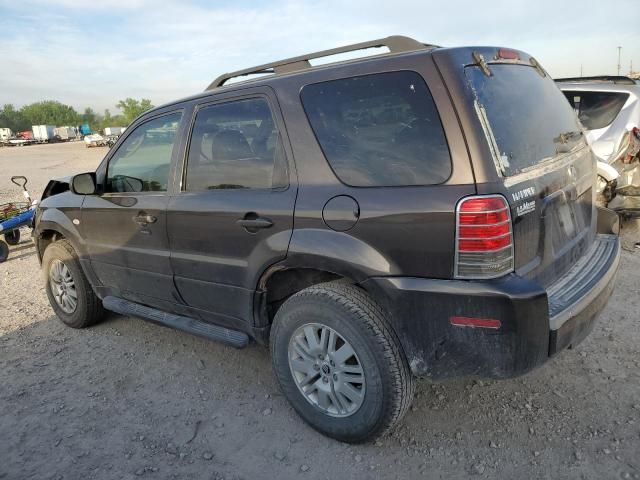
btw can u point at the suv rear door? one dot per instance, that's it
(233, 215)
(125, 226)
(530, 147)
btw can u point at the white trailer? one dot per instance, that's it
(5, 134)
(113, 131)
(43, 133)
(65, 133)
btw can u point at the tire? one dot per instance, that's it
(59, 259)
(386, 389)
(4, 251)
(12, 237)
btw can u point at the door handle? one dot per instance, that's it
(255, 223)
(252, 222)
(144, 219)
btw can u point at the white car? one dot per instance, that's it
(609, 109)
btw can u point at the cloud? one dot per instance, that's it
(97, 53)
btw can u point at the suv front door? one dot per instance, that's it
(234, 214)
(125, 226)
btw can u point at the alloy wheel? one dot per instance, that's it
(326, 370)
(63, 287)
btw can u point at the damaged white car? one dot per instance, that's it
(609, 109)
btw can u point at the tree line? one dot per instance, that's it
(52, 112)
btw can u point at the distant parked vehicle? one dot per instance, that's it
(609, 109)
(44, 133)
(84, 129)
(94, 140)
(25, 135)
(5, 134)
(65, 133)
(117, 131)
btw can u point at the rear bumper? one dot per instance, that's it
(576, 299)
(534, 323)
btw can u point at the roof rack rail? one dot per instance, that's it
(395, 44)
(617, 79)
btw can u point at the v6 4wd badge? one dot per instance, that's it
(526, 207)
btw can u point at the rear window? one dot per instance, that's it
(596, 109)
(379, 130)
(527, 114)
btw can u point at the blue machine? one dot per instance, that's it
(14, 216)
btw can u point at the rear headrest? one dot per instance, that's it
(230, 145)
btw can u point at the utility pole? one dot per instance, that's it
(619, 50)
(580, 69)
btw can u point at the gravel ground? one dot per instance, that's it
(128, 399)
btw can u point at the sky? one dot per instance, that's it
(96, 52)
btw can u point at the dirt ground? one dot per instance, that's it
(128, 399)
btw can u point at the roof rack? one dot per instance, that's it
(617, 79)
(395, 44)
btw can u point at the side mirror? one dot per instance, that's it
(84, 184)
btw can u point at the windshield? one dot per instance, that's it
(528, 115)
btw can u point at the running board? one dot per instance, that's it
(196, 327)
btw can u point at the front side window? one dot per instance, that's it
(235, 145)
(596, 109)
(142, 162)
(379, 130)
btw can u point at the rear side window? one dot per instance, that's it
(596, 109)
(379, 130)
(235, 145)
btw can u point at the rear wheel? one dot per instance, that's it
(68, 289)
(339, 363)
(13, 237)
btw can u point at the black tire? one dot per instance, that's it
(88, 310)
(12, 237)
(4, 251)
(354, 315)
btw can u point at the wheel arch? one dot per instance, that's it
(316, 256)
(54, 226)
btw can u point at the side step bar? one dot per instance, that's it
(196, 327)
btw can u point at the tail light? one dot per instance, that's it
(484, 237)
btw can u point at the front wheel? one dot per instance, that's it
(68, 289)
(12, 237)
(4, 251)
(339, 363)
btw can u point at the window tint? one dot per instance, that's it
(142, 162)
(596, 109)
(379, 130)
(235, 145)
(527, 114)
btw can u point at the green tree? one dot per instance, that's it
(131, 108)
(89, 116)
(13, 119)
(50, 112)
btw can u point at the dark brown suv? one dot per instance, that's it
(424, 212)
